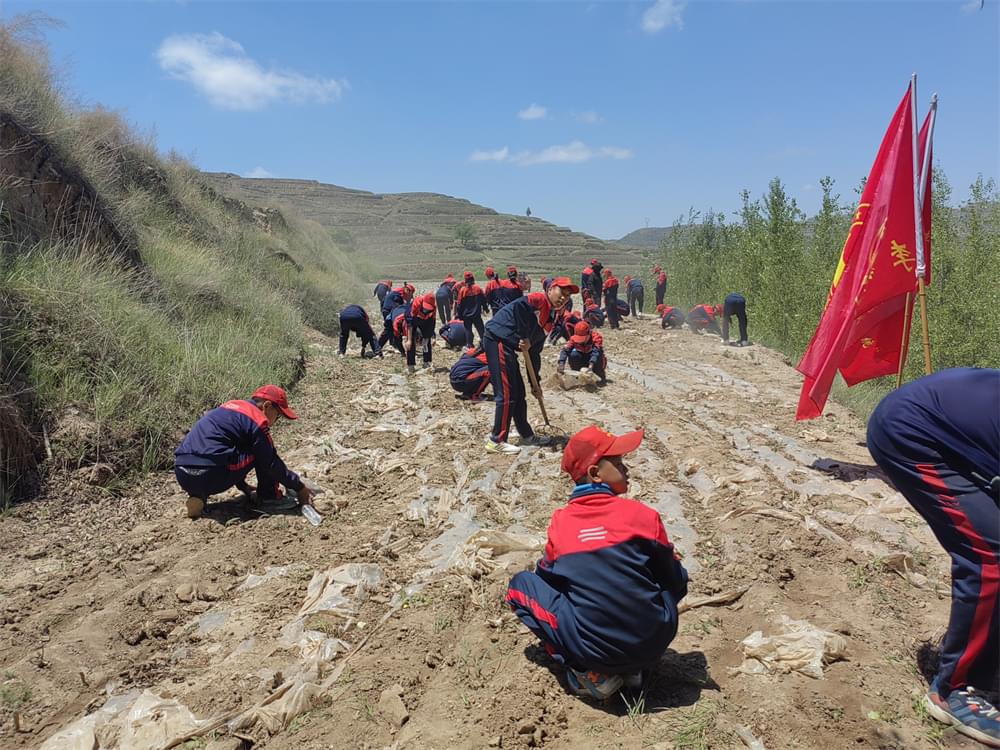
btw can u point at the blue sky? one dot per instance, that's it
(600, 116)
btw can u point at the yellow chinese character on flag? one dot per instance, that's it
(903, 256)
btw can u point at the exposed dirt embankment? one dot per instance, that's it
(44, 199)
(253, 620)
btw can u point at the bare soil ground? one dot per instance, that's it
(103, 595)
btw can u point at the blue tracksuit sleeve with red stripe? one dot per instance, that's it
(604, 596)
(529, 317)
(234, 436)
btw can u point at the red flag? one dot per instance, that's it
(876, 270)
(877, 335)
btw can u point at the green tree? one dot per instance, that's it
(467, 235)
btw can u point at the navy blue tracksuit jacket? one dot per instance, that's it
(938, 440)
(453, 334)
(222, 448)
(604, 595)
(470, 374)
(354, 319)
(528, 318)
(469, 309)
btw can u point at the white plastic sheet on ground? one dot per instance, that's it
(134, 721)
(326, 589)
(797, 646)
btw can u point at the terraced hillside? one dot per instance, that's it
(412, 235)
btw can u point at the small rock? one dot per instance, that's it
(186, 592)
(390, 705)
(100, 474)
(36, 552)
(495, 741)
(432, 659)
(526, 727)
(166, 615)
(198, 608)
(134, 637)
(210, 593)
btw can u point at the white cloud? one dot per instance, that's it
(499, 155)
(221, 71)
(972, 6)
(662, 15)
(534, 112)
(258, 172)
(590, 117)
(572, 153)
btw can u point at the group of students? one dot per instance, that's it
(702, 318)
(603, 599)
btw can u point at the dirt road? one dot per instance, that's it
(410, 646)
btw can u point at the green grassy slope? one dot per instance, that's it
(412, 235)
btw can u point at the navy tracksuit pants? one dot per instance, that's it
(473, 385)
(359, 325)
(611, 309)
(734, 304)
(966, 521)
(444, 305)
(661, 291)
(578, 360)
(508, 385)
(474, 321)
(423, 332)
(551, 616)
(205, 481)
(636, 301)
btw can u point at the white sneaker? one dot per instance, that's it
(494, 447)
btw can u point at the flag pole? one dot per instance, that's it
(922, 267)
(904, 346)
(918, 226)
(925, 176)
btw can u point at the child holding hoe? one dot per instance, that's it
(603, 598)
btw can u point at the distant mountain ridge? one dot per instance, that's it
(412, 235)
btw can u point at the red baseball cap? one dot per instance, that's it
(566, 283)
(581, 333)
(277, 396)
(511, 269)
(607, 271)
(469, 276)
(490, 271)
(427, 302)
(587, 447)
(593, 261)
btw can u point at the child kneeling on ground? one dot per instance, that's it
(603, 598)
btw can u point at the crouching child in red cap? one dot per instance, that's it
(229, 441)
(670, 316)
(470, 375)
(585, 351)
(603, 598)
(453, 334)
